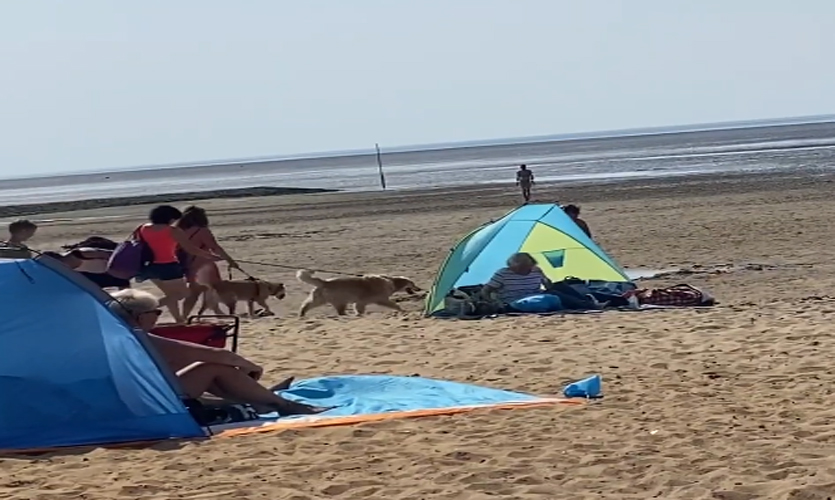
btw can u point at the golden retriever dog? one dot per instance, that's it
(253, 291)
(360, 291)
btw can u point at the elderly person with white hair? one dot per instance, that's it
(521, 278)
(201, 369)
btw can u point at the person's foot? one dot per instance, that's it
(288, 407)
(283, 385)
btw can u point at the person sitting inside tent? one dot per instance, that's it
(203, 369)
(521, 278)
(573, 211)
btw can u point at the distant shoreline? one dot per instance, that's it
(615, 188)
(124, 201)
(602, 136)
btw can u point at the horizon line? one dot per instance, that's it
(439, 146)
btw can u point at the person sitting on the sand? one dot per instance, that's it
(201, 369)
(521, 278)
(20, 231)
(573, 211)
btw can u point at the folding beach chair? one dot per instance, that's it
(208, 330)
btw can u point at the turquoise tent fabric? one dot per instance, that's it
(73, 373)
(543, 230)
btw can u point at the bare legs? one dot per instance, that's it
(234, 385)
(173, 292)
(526, 192)
(194, 292)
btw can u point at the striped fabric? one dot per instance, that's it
(512, 286)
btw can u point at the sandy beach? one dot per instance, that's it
(731, 403)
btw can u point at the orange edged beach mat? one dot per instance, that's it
(314, 421)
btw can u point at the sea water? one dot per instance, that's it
(772, 148)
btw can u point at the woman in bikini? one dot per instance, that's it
(166, 270)
(201, 273)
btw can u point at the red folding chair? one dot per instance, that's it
(208, 330)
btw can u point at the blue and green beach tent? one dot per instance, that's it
(560, 247)
(72, 373)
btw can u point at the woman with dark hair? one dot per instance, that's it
(573, 211)
(166, 270)
(201, 273)
(96, 242)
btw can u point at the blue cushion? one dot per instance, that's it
(537, 303)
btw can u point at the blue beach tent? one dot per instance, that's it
(71, 372)
(545, 231)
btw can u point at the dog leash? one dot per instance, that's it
(249, 277)
(281, 266)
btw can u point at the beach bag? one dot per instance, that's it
(129, 258)
(459, 303)
(218, 414)
(468, 301)
(540, 303)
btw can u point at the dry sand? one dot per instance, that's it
(732, 403)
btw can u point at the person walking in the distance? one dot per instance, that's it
(524, 179)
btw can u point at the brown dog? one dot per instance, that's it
(253, 291)
(360, 291)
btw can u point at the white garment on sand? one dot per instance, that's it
(92, 266)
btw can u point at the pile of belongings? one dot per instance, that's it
(675, 296)
(573, 294)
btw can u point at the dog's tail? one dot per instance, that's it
(306, 276)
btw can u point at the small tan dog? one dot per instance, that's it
(360, 291)
(253, 291)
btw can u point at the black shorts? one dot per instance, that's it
(105, 280)
(163, 272)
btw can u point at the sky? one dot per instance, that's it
(108, 84)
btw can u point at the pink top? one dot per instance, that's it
(201, 269)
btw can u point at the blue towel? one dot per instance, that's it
(541, 303)
(371, 394)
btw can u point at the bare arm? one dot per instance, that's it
(182, 354)
(210, 239)
(180, 237)
(546, 282)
